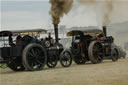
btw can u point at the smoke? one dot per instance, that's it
(106, 12)
(85, 1)
(59, 8)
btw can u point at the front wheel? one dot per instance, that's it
(52, 61)
(66, 58)
(34, 57)
(79, 59)
(15, 65)
(114, 55)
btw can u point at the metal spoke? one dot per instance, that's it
(30, 54)
(39, 62)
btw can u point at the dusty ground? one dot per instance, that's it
(106, 73)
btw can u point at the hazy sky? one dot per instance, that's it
(30, 14)
(35, 14)
(24, 14)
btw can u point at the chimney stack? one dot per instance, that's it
(105, 31)
(56, 33)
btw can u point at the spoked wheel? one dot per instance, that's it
(79, 59)
(76, 48)
(66, 58)
(114, 55)
(52, 61)
(34, 57)
(95, 52)
(15, 65)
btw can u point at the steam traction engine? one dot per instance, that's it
(92, 45)
(24, 49)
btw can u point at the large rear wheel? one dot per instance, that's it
(95, 52)
(34, 57)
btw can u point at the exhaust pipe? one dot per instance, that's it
(56, 33)
(105, 31)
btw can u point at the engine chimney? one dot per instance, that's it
(56, 33)
(105, 31)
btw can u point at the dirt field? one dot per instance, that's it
(106, 73)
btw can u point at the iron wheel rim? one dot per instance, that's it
(66, 59)
(35, 57)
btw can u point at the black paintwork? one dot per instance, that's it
(13, 51)
(80, 43)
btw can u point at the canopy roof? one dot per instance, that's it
(84, 32)
(22, 32)
(5, 33)
(30, 30)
